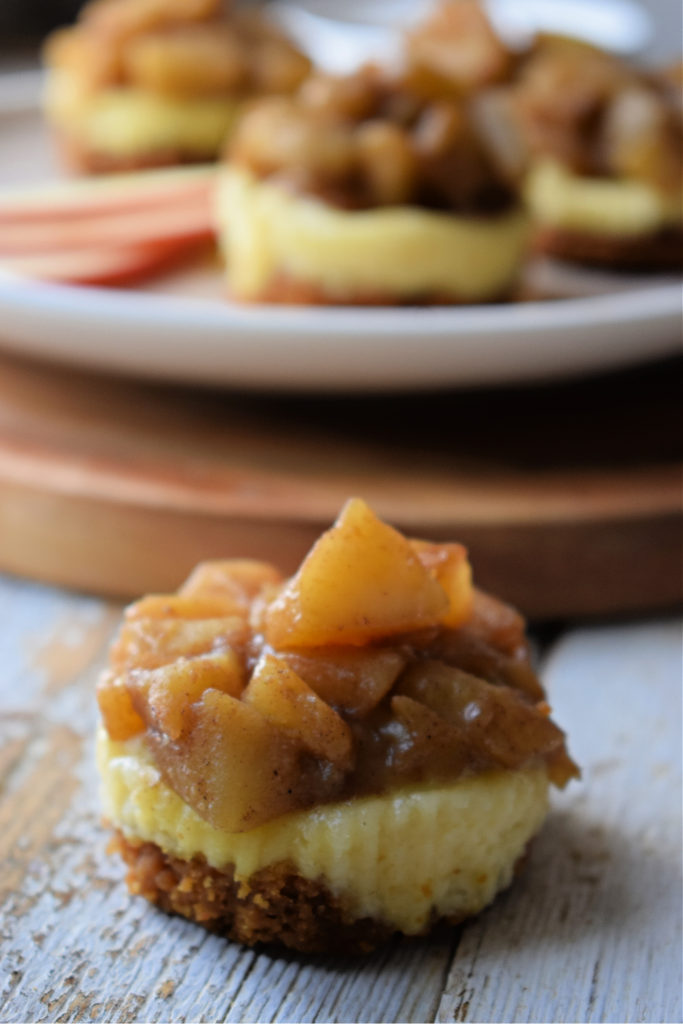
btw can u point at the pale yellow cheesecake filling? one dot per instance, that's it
(267, 231)
(127, 122)
(400, 858)
(598, 206)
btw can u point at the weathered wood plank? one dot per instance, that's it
(592, 931)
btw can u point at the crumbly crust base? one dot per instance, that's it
(277, 905)
(289, 291)
(79, 158)
(662, 250)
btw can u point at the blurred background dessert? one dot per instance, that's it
(378, 187)
(605, 151)
(479, 136)
(138, 83)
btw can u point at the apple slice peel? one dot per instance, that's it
(96, 265)
(84, 197)
(181, 221)
(115, 231)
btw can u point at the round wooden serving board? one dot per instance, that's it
(569, 496)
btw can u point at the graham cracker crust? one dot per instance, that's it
(87, 161)
(662, 250)
(285, 290)
(276, 906)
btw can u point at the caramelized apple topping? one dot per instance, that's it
(281, 696)
(129, 18)
(186, 48)
(150, 642)
(368, 139)
(456, 49)
(599, 115)
(162, 695)
(237, 768)
(377, 664)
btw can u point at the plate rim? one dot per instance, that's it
(662, 300)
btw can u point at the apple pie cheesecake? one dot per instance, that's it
(325, 760)
(605, 141)
(138, 83)
(378, 187)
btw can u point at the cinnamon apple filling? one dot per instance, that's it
(331, 722)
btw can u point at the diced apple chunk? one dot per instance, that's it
(239, 579)
(183, 606)
(284, 699)
(498, 726)
(449, 565)
(354, 679)
(458, 44)
(465, 648)
(361, 581)
(236, 768)
(120, 718)
(434, 749)
(162, 696)
(148, 643)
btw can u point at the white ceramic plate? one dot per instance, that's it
(192, 339)
(184, 330)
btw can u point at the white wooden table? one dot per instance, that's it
(590, 932)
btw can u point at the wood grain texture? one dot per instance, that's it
(569, 497)
(591, 930)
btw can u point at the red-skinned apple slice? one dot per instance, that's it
(182, 221)
(143, 190)
(103, 265)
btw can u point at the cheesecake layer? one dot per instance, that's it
(269, 232)
(402, 858)
(129, 123)
(598, 206)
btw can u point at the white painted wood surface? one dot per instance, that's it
(590, 932)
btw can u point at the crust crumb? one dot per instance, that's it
(277, 905)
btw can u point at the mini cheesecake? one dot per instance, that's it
(366, 210)
(605, 184)
(620, 224)
(377, 188)
(326, 760)
(139, 83)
